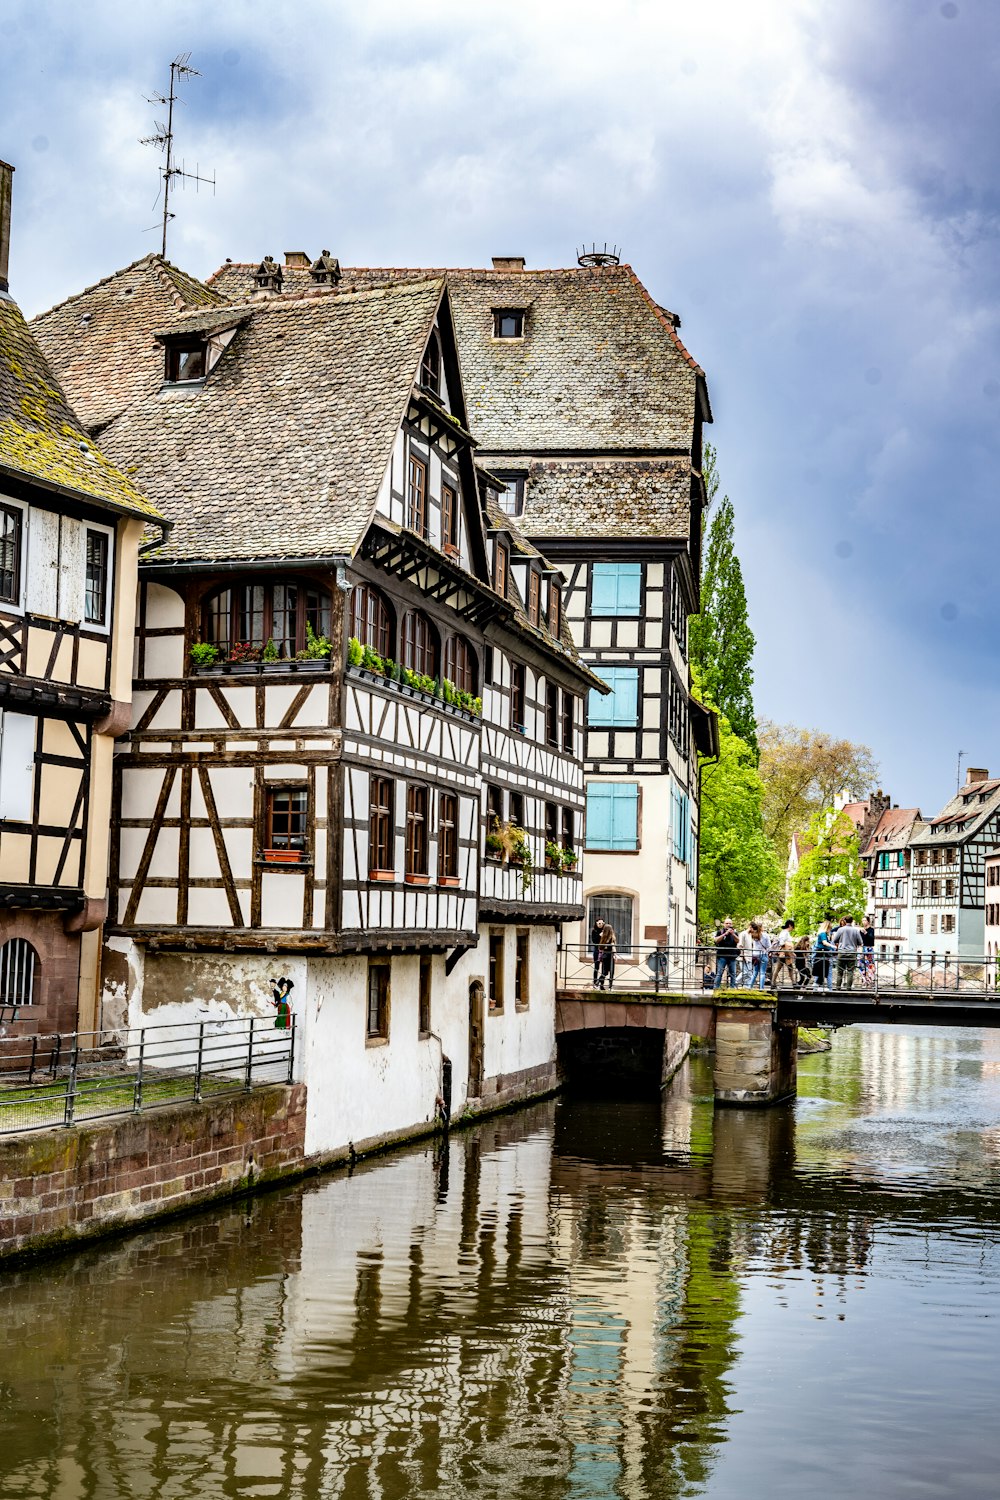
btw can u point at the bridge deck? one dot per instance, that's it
(693, 1011)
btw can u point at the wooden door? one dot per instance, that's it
(476, 1039)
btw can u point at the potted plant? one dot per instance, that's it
(316, 656)
(570, 860)
(272, 659)
(553, 857)
(204, 656)
(494, 846)
(355, 652)
(372, 663)
(244, 657)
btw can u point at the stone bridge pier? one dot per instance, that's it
(636, 1039)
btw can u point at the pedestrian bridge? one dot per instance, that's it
(658, 999)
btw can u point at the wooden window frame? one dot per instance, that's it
(370, 619)
(282, 842)
(460, 664)
(522, 970)
(14, 516)
(381, 827)
(501, 568)
(494, 809)
(103, 536)
(448, 830)
(568, 722)
(379, 990)
(449, 519)
(552, 715)
(515, 808)
(417, 837)
(416, 494)
(419, 648)
(511, 498)
(518, 697)
(425, 989)
(555, 608)
(568, 832)
(551, 823)
(534, 596)
(512, 315)
(495, 963)
(430, 365)
(173, 369)
(220, 621)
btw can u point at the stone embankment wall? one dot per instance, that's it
(60, 1186)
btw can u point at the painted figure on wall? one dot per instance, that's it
(281, 988)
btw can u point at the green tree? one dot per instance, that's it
(739, 874)
(720, 640)
(803, 771)
(828, 881)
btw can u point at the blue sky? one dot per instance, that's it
(811, 184)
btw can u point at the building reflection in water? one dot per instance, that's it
(547, 1305)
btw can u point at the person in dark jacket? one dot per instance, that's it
(595, 947)
(606, 948)
(727, 946)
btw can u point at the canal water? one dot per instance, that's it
(591, 1298)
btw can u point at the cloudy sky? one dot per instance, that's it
(811, 184)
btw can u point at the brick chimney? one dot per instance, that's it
(297, 260)
(508, 262)
(6, 183)
(973, 774)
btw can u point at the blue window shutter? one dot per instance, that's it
(616, 588)
(625, 815)
(598, 816)
(603, 590)
(621, 706)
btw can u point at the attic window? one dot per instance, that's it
(186, 361)
(508, 323)
(511, 497)
(430, 370)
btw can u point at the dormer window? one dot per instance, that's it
(186, 361)
(555, 609)
(511, 497)
(534, 595)
(508, 323)
(430, 370)
(500, 567)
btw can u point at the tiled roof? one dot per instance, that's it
(282, 451)
(41, 437)
(619, 498)
(100, 342)
(600, 366)
(962, 817)
(893, 830)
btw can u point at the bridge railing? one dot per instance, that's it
(655, 968)
(64, 1078)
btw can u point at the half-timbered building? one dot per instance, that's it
(590, 411)
(947, 864)
(70, 529)
(355, 760)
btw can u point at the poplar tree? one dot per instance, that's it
(720, 640)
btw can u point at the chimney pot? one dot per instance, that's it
(508, 262)
(6, 185)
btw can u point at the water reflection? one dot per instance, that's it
(588, 1299)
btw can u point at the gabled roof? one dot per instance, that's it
(963, 816)
(601, 365)
(894, 830)
(41, 438)
(280, 454)
(100, 341)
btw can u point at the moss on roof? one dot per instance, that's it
(40, 435)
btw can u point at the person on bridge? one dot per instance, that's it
(823, 955)
(595, 947)
(761, 953)
(727, 946)
(785, 962)
(606, 954)
(848, 942)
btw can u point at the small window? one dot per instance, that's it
(424, 997)
(380, 834)
(448, 837)
(551, 823)
(378, 998)
(521, 962)
(370, 622)
(613, 816)
(934, 921)
(494, 806)
(620, 707)
(449, 517)
(555, 608)
(416, 831)
(551, 714)
(568, 720)
(568, 830)
(517, 696)
(96, 605)
(511, 497)
(617, 912)
(11, 524)
(515, 801)
(18, 970)
(616, 589)
(287, 820)
(920, 921)
(508, 323)
(419, 644)
(416, 496)
(500, 567)
(186, 361)
(459, 665)
(534, 595)
(430, 369)
(496, 972)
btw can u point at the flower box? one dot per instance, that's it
(312, 664)
(243, 667)
(284, 857)
(381, 875)
(447, 880)
(417, 879)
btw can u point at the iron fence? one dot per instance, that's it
(696, 970)
(63, 1079)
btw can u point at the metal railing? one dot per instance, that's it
(61, 1079)
(696, 970)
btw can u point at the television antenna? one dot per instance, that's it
(163, 140)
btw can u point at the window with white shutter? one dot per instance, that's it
(17, 766)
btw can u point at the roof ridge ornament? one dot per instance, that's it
(325, 269)
(268, 275)
(602, 257)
